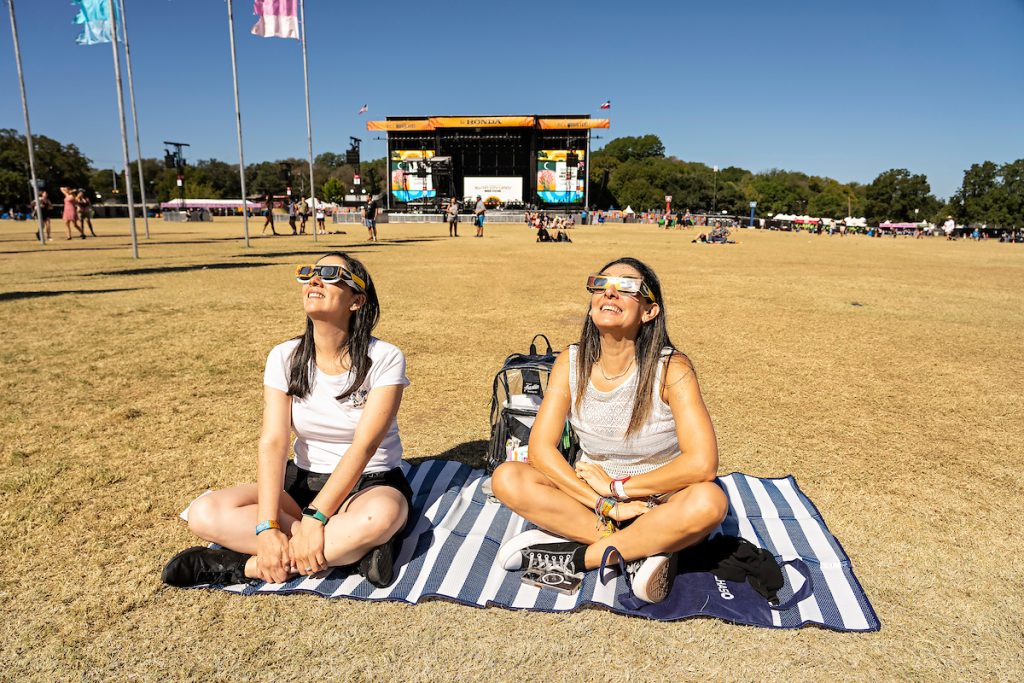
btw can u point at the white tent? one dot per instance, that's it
(629, 210)
(855, 222)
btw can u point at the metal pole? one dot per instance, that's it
(586, 188)
(28, 128)
(309, 125)
(238, 123)
(124, 130)
(135, 117)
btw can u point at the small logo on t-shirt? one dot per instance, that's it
(358, 397)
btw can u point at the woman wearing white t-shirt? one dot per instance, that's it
(643, 487)
(344, 498)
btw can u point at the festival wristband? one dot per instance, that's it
(618, 487)
(269, 524)
(604, 506)
(315, 514)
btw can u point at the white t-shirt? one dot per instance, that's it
(324, 426)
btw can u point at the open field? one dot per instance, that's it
(886, 375)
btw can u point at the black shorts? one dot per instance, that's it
(303, 485)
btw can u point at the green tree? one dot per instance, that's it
(895, 194)
(643, 147)
(332, 191)
(57, 165)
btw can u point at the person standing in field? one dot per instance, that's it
(292, 213)
(44, 208)
(85, 211)
(478, 216)
(70, 215)
(453, 218)
(370, 218)
(303, 215)
(269, 214)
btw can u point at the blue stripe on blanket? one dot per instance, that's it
(451, 542)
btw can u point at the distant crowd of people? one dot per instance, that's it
(546, 224)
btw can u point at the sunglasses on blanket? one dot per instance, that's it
(622, 285)
(330, 274)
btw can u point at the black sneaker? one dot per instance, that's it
(200, 565)
(537, 549)
(378, 565)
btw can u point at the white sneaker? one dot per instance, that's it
(510, 554)
(652, 577)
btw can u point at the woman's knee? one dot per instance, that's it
(203, 516)
(383, 516)
(508, 481)
(708, 504)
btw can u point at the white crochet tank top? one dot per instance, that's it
(604, 416)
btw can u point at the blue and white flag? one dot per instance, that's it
(94, 16)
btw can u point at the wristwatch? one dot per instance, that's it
(315, 514)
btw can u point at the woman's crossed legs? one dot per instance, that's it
(366, 520)
(684, 519)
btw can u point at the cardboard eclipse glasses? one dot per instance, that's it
(330, 274)
(623, 285)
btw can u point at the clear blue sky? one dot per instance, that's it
(845, 89)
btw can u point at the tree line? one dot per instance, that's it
(628, 171)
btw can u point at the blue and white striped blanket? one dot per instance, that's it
(455, 531)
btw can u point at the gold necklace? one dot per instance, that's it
(600, 366)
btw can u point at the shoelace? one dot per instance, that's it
(547, 561)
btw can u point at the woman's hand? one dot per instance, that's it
(272, 556)
(595, 476)
(629, 510)
(307, 547)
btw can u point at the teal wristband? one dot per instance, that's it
(315, 514)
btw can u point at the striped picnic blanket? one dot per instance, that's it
(455, 530)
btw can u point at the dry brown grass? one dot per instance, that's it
(900, 418)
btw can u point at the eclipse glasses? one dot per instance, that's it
(622, 285)
(330, 274)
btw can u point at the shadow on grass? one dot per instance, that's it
(472, 453)
(178, 269)
(14, 296)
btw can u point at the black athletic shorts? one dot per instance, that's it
(303, 485)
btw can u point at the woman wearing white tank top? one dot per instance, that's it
(644, 484)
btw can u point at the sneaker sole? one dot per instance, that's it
(654, 580)
(510, 555)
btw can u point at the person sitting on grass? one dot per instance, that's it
(344, 498)
(644, 482)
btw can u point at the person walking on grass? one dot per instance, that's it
(478, 216)
(70, 215)
(303, 215)
(343, 499)
(268, 212)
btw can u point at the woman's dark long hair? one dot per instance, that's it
(360, 327)
(651, 339)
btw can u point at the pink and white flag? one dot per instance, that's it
(363, 109)
(278, 18)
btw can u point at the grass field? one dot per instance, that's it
(886, 375)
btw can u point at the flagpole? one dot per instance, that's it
(238, 123)
(135, 116)
(309, 125)
(124, 129)
(28, 128)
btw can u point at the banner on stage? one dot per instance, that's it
(482, 121)
(416, 124)
(411, 177)
(277, 18)
(568, 124)
(494, 191)
(557, 182)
